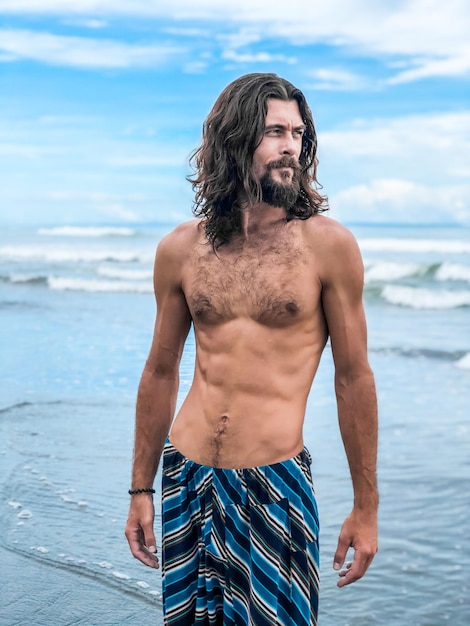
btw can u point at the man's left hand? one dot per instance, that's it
(359, 532)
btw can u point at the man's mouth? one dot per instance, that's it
(283, 164)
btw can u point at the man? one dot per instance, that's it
(265, 279)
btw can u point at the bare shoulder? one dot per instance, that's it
(326, 232)
(176, 243)
(334, 246)
(172, 254)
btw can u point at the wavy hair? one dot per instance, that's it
(223, 163)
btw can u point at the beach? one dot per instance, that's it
(77, 314)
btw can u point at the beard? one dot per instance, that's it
(281, 193)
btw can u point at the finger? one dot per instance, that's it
(355, 570)
(345, 571)
(140, 551)
(145, 557)
(150, 542)
(340, 554)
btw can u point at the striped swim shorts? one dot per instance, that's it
(240, 546)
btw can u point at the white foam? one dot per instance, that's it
(25, 514)
(453, 271)
(388, 270)
(87, 231)
(418, 298)
(104, 564)
(71, 255)
(42, 550)
(142, 584)
(415, 245)
(15, 505)
(464, 362)
(121, 576)
(67, 499)
(82, 284)
(126, 274)
(25, 278)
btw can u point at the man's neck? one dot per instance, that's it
(259, 219)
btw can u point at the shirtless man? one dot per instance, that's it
(265, 279)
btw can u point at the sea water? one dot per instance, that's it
(76, 319)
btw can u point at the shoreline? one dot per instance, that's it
(39, 593)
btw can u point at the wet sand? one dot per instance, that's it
(40, 594)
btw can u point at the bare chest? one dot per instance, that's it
(273, 286)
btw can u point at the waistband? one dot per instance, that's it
(302, 458)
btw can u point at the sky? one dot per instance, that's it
(103, 101)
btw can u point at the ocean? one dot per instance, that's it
(77, 314)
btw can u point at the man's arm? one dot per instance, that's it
(356, 399)
(156, 398)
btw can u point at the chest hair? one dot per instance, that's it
(260, 281)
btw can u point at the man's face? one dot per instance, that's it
(276, 159)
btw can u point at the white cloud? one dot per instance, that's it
(81, 52)
(337, 79)
(435, 145)
(430, 34)
(457, 65)
(409, 169)
(240, 38)
(93, 24)
(429, 27)
(257, 57)
(195, 67)
(402, 201)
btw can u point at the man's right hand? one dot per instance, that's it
(139, 530)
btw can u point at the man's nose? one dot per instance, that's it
(288, 145)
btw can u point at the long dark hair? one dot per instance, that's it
(223, 162)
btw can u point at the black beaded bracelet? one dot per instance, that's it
(134, 492)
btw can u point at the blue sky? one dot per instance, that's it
(102, 101)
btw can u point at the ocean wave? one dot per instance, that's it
(414, 245)
(87, 231)
(385, 271)
(429, 353)
(125, 274)
(126, 281)
(420, 298)
(389, 270)
(14, 407)
(25, 279)
(71, 255)
(110, 286)
(464, 362)
(453, 271)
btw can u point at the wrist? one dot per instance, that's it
(136, 492)
(370, 507)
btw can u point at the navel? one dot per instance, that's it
(220, 431)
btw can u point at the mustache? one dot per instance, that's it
(284, 162)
